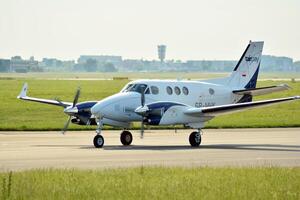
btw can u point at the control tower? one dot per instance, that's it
(161, 49)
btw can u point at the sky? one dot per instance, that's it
(191, 29)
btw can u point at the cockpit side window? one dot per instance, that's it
(147, 91)
(126, 88)
(137, 88)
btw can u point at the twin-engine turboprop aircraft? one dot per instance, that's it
(172, 102)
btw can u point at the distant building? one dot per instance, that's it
(209, 65)
(116, 60)
(51, 62)
(132, 65)
(161, 50)
(17, 64)
(276, 63)
(4, 65)
(297, 66)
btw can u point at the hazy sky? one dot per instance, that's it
(191, 29)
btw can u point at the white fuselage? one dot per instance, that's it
(121, 106)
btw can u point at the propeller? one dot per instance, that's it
(70, 110)
(142, 110)
(76, 97)
(66, 126)
(144, 114)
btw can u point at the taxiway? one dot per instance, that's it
(220, 147)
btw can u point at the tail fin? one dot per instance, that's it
(245, 73)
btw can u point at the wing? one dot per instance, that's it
(262, 90)
(230, 108)
(23, 96)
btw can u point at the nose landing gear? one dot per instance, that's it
(98, 139)
(195, 138)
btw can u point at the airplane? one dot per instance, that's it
(172, 102)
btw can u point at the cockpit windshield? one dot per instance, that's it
(136, 88)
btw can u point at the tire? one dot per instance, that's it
(126, 138)
(195, 139)
(98, 141)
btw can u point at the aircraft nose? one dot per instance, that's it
(100, 108)
(110, 106)
(95, 110)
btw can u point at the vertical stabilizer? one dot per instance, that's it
(245, 73)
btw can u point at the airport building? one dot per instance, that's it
(4, 65)
(17, 64)
(116, 60)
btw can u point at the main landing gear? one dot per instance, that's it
(195, 138)
(126, 138)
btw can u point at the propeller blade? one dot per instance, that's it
(66, 126)
(144, 114)
(142, 129)
(76, 97)
(88, 122)
(143, 98)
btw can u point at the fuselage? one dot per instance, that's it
(121, 106)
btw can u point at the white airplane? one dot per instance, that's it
(173, 102)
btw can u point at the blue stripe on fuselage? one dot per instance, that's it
(157, 109)
(250, 85)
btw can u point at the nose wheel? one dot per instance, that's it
(98, 141)
(195, 138)
(126, 138)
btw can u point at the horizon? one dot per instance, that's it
(192, 30)
(156, 59)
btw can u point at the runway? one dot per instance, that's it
(220, 147)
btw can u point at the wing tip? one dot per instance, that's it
(23, 92)
(285, 86)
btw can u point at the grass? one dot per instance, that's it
(153, 183)
(20, 115)
(99, 75)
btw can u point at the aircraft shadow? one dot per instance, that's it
(248, 147)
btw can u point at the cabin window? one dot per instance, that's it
(211, 91)
(154, 90)
(185, 90)
(169, 90)
(177, 90)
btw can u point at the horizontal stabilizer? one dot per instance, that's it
(262, 90)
